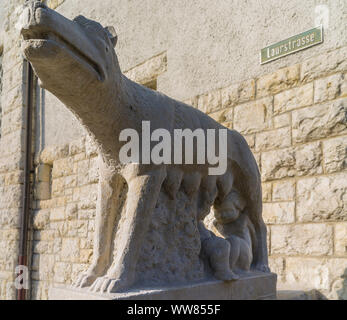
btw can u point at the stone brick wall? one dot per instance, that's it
(63, 219)
(11, 153)
(295, 122)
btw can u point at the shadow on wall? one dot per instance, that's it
(342, 292)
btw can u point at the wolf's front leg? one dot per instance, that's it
(106, 211)
(143, 192)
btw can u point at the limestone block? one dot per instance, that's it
(11, 58)
(58, 187)
(52, 153)
(78, 268)
(283, 190)
(54, 3)
(39, 290)
(14, 177)
(70, 182)
(250, 138)
(42, 191)
(277, 265)
(61, 227)
(219, 116)
(238, 93)
(71, 211)
(328, 88)
(62, 167)
(210, 102)
(13, 99)
(266, 191)
(93, 176)
(46, 267)
(13, 139)
(319, 121)
(257, 157)
(70, 250)
(86, 243)
(86, 255)
(326, 275)
(77, 228)
(280, 80)
(315, 67)
(149, 70)
(343, 87)
(45, 235)
(308, 159)
(62, 272)
(305, 239)
(42, 247)
(86, 195)
(9, 218)
(82, 172)
(192, 101)
(9, 235)
(13, 78)
(86, 214)
(273, 139)
(11, 163)
(341, 238)
(57, 214)
(335, 154)
(322, 198)
(293, 98)
(278, 164)
(10, 196)
(77, 146)
(279, 212)
(43, 172)
(253, 116)
(91, 147)
(41, 219)
(12, 121)
(228, 125)
(282, 120)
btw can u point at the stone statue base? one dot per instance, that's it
(254, 286)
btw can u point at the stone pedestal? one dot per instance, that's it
(255, 286)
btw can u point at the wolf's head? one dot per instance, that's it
(71, 58)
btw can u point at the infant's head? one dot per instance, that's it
(230, 208)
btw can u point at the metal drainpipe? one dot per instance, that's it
(28, 169)
(26, 200)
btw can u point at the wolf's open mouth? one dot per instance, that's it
(33, 35)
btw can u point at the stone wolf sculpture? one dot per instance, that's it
(75, 60)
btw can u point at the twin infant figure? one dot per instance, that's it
(233, 252)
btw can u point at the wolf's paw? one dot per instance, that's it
(226, 275)
(85, 279)
(109, 285)
(262, 268)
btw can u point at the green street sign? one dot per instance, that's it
(293, 44)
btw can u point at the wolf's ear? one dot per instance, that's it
(112, 35)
